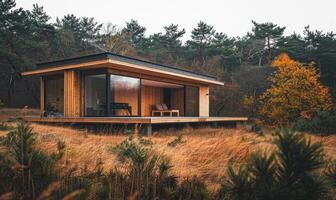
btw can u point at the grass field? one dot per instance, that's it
(204, 152)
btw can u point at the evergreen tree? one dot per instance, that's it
(202, 37)
(172, 38)
(226, 48)
(136, 34)
(269, 33)
(24, 40)
(76, 35)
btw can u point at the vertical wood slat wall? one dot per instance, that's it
(149, 97)
(204, 101)
(72, 94)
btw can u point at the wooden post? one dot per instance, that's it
(148, 129)
(145, 129)
(204, 101)
(72, 91)
(136, 130)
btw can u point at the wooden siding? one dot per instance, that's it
(74, 99)
(204, 101)
(150, 96)
(72, 94)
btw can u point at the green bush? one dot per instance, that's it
(323, 122)
(5, 127)
(297, 169)
(293, 171)
(176, 141)
(147, 174)
(30, 173)
(257, 129)
(34, 169)
(191, 189)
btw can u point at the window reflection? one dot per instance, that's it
(95, 95)
(54, 95)
(124, 95)
(192, 101)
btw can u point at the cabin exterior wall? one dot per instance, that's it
(204, 101)
(74, 95)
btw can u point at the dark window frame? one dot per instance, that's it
(108, 91)
(45, 80)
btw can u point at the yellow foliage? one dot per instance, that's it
(296, 92)
(247, 101)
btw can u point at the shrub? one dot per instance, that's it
(293, 171)
(322, 122)
(31, 170)
(256, 128)
(5, 127)
(147, 175)
(31, 173)
(191, 189)
(176, 141)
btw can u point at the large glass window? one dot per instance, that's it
(191, 101)
(116, 95)
(124, 96)
(54, 95)
(95, 95)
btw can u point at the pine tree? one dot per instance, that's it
(269, 33)
(202, 37)
(136, 33)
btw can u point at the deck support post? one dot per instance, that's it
(146, 129)
(214, 124)
(136, 130)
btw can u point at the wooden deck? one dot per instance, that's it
(136, 120)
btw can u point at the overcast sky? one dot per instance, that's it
(232, 17)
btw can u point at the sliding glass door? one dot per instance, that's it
(124, 96)
(116, 95)
(95, 95)
(111, 95)
(54, 95)
(191, 101)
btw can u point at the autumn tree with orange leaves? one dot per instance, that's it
(296, 92)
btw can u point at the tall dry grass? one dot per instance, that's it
(18, 112)
(204, 152)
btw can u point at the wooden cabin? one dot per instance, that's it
(110, 88)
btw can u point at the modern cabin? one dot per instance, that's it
(110, 88)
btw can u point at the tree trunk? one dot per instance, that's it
(269, 57)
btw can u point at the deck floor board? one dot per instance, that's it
(135, 120)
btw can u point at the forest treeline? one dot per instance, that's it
(28, 37)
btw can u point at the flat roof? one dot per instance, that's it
(54, 65)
